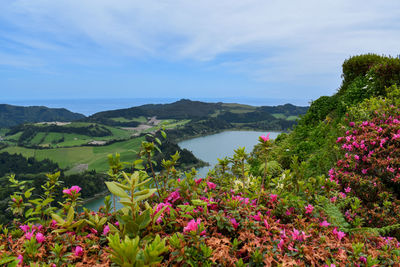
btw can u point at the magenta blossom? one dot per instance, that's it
(339, 234)
(198, 181)
(29, 235)
(211, 185)
(309, 209)
(40, 237)
(273, 197)
(25, 228)
(265, 138)
(193, 225)
(72, 191)
(347, 189)
(235, 224)
(174, 196)
(106, 230)
(20, 258)
(266, 224)
(324, 224)
(257, 217)
(78, 251)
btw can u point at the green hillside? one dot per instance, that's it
(14, 115)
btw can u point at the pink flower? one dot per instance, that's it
(72, 191)
(257, 217)
(273, 197)
(78, 251)
(75, 189)
(25, 228)
(339, 234)
(40, 237)
(352, 124)
(266, 224)
(347, 189)
(106, 230)
(117, 223)
(364, 171)
(174, 196)
(67, 191)
(21, 259)
(265, 138)
(53, 223)
(309, 209)
(94, 231)
(193, 225)
(211, 185)
(198, 181)
(324, 224)
(363, 259)
(29, 235)
(333, 199)
(234, 223)
(281, 243)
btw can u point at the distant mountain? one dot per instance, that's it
(13, 115)
(180, 110)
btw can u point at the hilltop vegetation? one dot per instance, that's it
(15, 115)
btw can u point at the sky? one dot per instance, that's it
(291, 51)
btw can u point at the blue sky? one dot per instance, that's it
(290, 50)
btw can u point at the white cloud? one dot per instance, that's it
(287, 39)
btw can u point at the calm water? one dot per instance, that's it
(210, 148)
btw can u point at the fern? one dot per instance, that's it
(376, 231)
(336, 217)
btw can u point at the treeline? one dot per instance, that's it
(17, 164)
(197, 128)
(29, 131)
(180, 110)
(34, 172)
(14, 115)
(110, 122)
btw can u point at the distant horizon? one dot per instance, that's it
(89, 106)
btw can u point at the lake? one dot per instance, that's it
(209, 148)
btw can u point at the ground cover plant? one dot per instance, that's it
(230, 218)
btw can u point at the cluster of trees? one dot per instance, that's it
(29, 131)
(34, 172)
(14, 115)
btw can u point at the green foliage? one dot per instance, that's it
(14, 115)
(127, 252)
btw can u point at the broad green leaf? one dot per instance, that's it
(116, 190)
(57, 218)
(70, 215)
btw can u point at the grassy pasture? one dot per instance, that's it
(69, 157)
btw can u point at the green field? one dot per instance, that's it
(57, 139)
(95, 157)
(140, 119)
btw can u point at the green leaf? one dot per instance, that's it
(7, 260)
(70, 215)
(58, 218)
(116, 190)
(158, 141)
(164, 134)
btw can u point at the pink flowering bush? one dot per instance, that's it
(370, 168)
